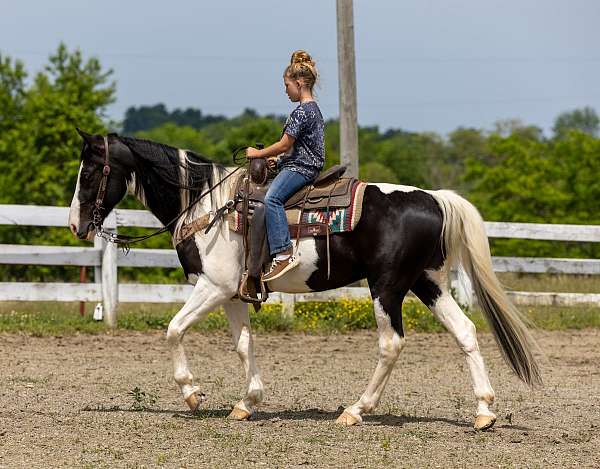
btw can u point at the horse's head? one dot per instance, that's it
(92, 172)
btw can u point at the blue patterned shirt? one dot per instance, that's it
(306, 125)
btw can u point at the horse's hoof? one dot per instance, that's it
(348, 419)
(194, 400)
(484, 422)
(239, 414)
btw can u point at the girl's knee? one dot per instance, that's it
(272, 200)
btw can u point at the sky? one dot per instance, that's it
(422, 65)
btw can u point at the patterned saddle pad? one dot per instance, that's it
(340, 219)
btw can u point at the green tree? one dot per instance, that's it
(373, 171)
(150, 117)
(181, 137)
(12, 92)
(39, 146)
(585, 120)
(508, 127)
(463, 144)
(525, 180)
(410, 157)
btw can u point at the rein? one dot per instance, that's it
(125, 240)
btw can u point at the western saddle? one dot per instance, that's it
(246, 215)
(329, 190)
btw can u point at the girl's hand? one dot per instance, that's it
(252, 152)
(272, 162)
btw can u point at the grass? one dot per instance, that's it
(550, 282)
(56, 319)
(142, 400)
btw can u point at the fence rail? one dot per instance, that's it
(106, 259)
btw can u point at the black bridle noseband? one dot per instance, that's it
(124, 240)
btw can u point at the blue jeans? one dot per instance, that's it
(285, 184)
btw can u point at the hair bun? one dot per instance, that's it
(303, 67)
(302, 57)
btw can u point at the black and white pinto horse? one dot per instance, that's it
(407, 239)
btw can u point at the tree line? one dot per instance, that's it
(512, 172)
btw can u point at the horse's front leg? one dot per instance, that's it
(205, 297)
(239, 324)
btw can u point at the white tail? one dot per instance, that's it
(465, 242)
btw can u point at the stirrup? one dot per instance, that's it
(246, 295)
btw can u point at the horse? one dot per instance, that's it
(407, 239)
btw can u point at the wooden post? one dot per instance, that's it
(82, 279)
(110, 286)
(347, 84)
(287, 304)
(98, 244)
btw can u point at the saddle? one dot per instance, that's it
(331, 204)
(329, 191)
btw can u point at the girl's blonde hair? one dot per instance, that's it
(302, 67)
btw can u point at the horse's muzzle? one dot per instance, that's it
(87, 233)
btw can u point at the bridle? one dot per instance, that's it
(124, 240)
(98, 208)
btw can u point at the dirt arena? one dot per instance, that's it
(66, 402)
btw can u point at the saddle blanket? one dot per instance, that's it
(341, 219)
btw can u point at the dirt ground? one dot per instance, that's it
(66, 402)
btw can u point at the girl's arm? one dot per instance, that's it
(282, 146)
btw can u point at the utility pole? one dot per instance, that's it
(347, 82)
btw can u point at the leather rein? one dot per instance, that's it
(125, 240)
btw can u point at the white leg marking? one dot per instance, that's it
(462, 328)
(390, 346)
(239, 324)
(206, 296)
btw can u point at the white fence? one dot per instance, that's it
(106, 258)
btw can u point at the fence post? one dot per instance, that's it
(98, 244)
(110, 285)
(287, 304)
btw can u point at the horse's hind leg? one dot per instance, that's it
(388, 314)
(205, 297)
(239, 324)
(432, 289)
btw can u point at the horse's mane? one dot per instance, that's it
(182, 169)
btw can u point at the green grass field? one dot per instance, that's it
(43, 319)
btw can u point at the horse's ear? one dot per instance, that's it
(84, 135)
(96, 142)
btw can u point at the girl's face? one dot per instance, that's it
(292, 88)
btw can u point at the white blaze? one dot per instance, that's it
(74, 212)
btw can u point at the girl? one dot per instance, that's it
(303, 146)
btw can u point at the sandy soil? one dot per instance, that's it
(66, 402)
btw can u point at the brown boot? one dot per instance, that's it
(279, 268)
